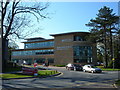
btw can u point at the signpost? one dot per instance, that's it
(30, 71)
(35, 64)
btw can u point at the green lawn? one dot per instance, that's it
(18, 75)
(107, 69)
(47, 72)
(8, 76)
(59, 65)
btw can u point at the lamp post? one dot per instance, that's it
(0, 47)
(113, 63)
(113, 59)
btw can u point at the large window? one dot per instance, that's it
(28, 61)
(38, 52)
(39, 45)
(82, 54)
(33, 52)
(15, 60)
(40, 60)
(51, 60)
(79, 38)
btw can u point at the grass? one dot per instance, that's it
(117, 82)
(8, 76)
(28, 65)
(107, 69)
(47, 72)
(60, 65)
(20, 75)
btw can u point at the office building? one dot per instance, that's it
(72, 47)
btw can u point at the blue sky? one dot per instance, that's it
(70, 17)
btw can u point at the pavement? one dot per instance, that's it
(68, 79)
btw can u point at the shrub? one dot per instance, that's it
(60, 65)
(110, 64)
(116, 64)
(11, 67)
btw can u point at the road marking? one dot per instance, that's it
(59, 75)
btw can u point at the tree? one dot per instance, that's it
(11, 46)
(103, 28)
(16, 16)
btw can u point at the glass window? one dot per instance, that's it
(79, 38)
(80, 60)
(28, 61)
(93, 67)
(51, 60)
(40, 60)
(82, 54)
(40, 44)
(34, 52)
(15, 60)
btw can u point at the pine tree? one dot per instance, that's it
(103, 27)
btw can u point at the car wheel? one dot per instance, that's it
(84, 70)
(66, 67)
(92, 71)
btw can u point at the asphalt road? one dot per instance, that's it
(69, 79)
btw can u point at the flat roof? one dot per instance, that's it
(35, 38)
(69, 33)
(35, 41)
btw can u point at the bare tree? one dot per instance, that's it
(16, 17)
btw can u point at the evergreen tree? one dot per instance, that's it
(103, 28)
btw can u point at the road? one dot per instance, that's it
(69, 79)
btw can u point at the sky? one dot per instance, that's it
(70, 17)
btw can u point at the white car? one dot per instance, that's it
(75, 67)
(69, 66)
(91, 68)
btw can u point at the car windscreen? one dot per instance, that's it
(77, 65)
(93, 67)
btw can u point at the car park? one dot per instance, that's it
(91, 68)
(75, 67)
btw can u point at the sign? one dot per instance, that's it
(35, 64)
(30, 71)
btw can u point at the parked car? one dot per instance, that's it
(75, 67)
(91, 68)
(100, 63)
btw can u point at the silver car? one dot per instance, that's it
(91, 68)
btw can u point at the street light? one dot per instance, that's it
(113, 59)
(113, 62)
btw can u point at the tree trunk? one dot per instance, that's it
(106, 61)
(111, 46)
(4, 54)
(105, 43)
